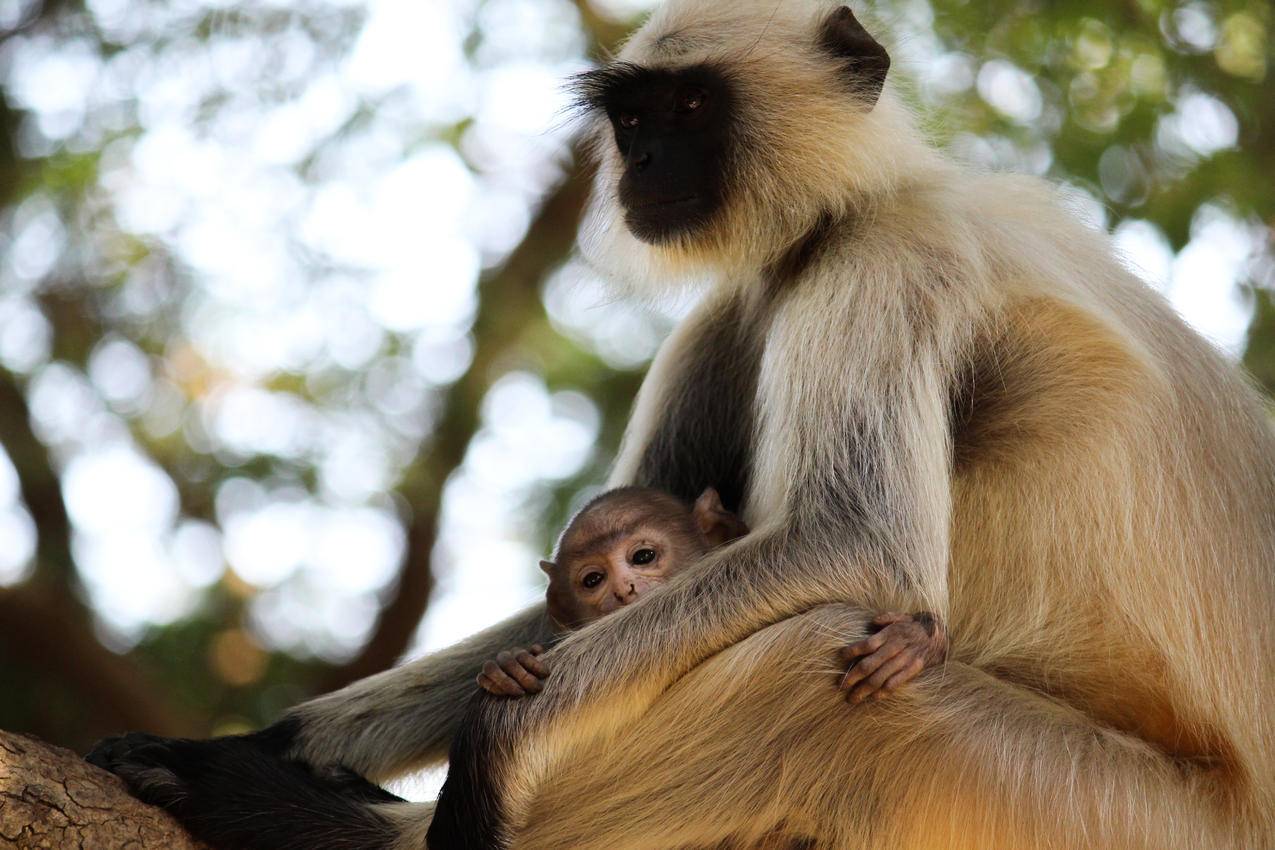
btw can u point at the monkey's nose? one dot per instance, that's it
(641, 161)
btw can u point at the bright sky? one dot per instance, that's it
(403, 226)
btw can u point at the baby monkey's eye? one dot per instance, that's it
(643, 556)
(690, 100)
(628, 120)
(592, 579)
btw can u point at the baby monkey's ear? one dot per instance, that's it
(549, 567)
(718, 525)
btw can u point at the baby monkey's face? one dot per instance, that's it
(626, 567)
(627, 542)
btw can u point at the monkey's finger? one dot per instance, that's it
(887, 617)
(901, 678)
(513, 667)
(501, 681)
(491, 687)
(536, 649)
(865, 667)
(873, 683)
(502, 685)
(538, 668)
(508, 661)
(867, 646)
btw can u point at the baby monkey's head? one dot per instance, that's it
(625, 542)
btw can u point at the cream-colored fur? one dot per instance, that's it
(1103, 542)
(968, 406)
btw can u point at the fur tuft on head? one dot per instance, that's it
(589, 88)
(814, 137)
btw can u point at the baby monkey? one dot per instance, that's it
(629, 540)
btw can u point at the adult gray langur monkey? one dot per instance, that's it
(925, 389)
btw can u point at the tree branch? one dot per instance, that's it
(52, 798)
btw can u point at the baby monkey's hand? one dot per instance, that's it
(903, 646)
(515, 673)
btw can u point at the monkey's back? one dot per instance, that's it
(1114, 492)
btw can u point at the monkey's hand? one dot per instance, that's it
(515, 672)
(903, 646)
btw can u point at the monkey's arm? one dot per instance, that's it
(403, 719)
(606, 675)
(863, 518)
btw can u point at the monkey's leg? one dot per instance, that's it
(231, 788)
(757, 737)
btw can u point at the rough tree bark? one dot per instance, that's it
(51, 798)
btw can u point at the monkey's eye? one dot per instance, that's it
(628, 120)
(592, 579)
(643, 556)
(690, 100)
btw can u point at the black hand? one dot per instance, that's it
(238, 792)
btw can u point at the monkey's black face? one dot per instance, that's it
(672, 129)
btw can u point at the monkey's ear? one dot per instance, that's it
(708, 503)
(549, 567)
(718, 525)
(864, 59)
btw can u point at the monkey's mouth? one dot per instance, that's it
(656, 220)
(668, 203)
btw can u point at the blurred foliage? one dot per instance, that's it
(1110, 75)
(1162, 112)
